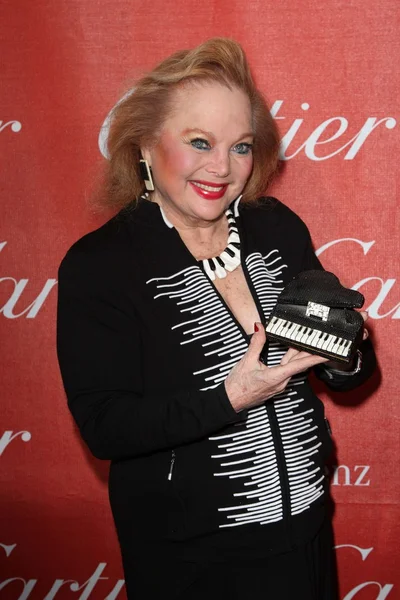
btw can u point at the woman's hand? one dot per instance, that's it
(250, 382)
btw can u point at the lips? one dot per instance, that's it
(208, 189)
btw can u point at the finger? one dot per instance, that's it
(290, 355)
(298, 365)
(257, 342)
(297, 354)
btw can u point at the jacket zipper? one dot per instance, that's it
(171, 465)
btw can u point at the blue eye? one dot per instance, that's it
(243, 148)
(200, 144)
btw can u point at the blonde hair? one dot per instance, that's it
(139, 117)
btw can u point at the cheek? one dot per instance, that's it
(245, 167)
(174, 163)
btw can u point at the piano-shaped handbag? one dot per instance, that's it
(315, 313)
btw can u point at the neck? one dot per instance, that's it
(203, 238)
(205, 241)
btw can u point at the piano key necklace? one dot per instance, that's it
(229, 259)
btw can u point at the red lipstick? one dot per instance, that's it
(209, 190)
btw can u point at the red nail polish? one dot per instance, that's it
(255, 327)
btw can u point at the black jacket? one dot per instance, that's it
(145, 342)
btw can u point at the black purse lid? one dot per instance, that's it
(321, 287)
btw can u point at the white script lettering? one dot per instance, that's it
(383, 591)
(343, 476)
(385, 286)
(313, 140)
(86, 588)
(19, 286)
(9, 436)
(15, 126)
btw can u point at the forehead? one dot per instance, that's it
(211, 107)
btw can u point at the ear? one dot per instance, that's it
(146, 154)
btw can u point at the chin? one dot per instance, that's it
(200, 205)
(212, 212)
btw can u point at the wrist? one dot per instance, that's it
(235, 395)
(345, 369)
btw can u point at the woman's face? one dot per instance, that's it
(203, 157)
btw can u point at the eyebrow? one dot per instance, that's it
(209, 134)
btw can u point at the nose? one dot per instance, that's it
(219, 165)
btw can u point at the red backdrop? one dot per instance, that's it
(330, 72)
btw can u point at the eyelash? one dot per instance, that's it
(199, 144)
(202, 144)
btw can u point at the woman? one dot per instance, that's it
(217, 480)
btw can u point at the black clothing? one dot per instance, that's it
(145, 342)
(307, 572)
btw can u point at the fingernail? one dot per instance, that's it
(255, 327)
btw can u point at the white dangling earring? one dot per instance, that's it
(145, 171)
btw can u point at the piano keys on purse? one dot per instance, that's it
(316, 313)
